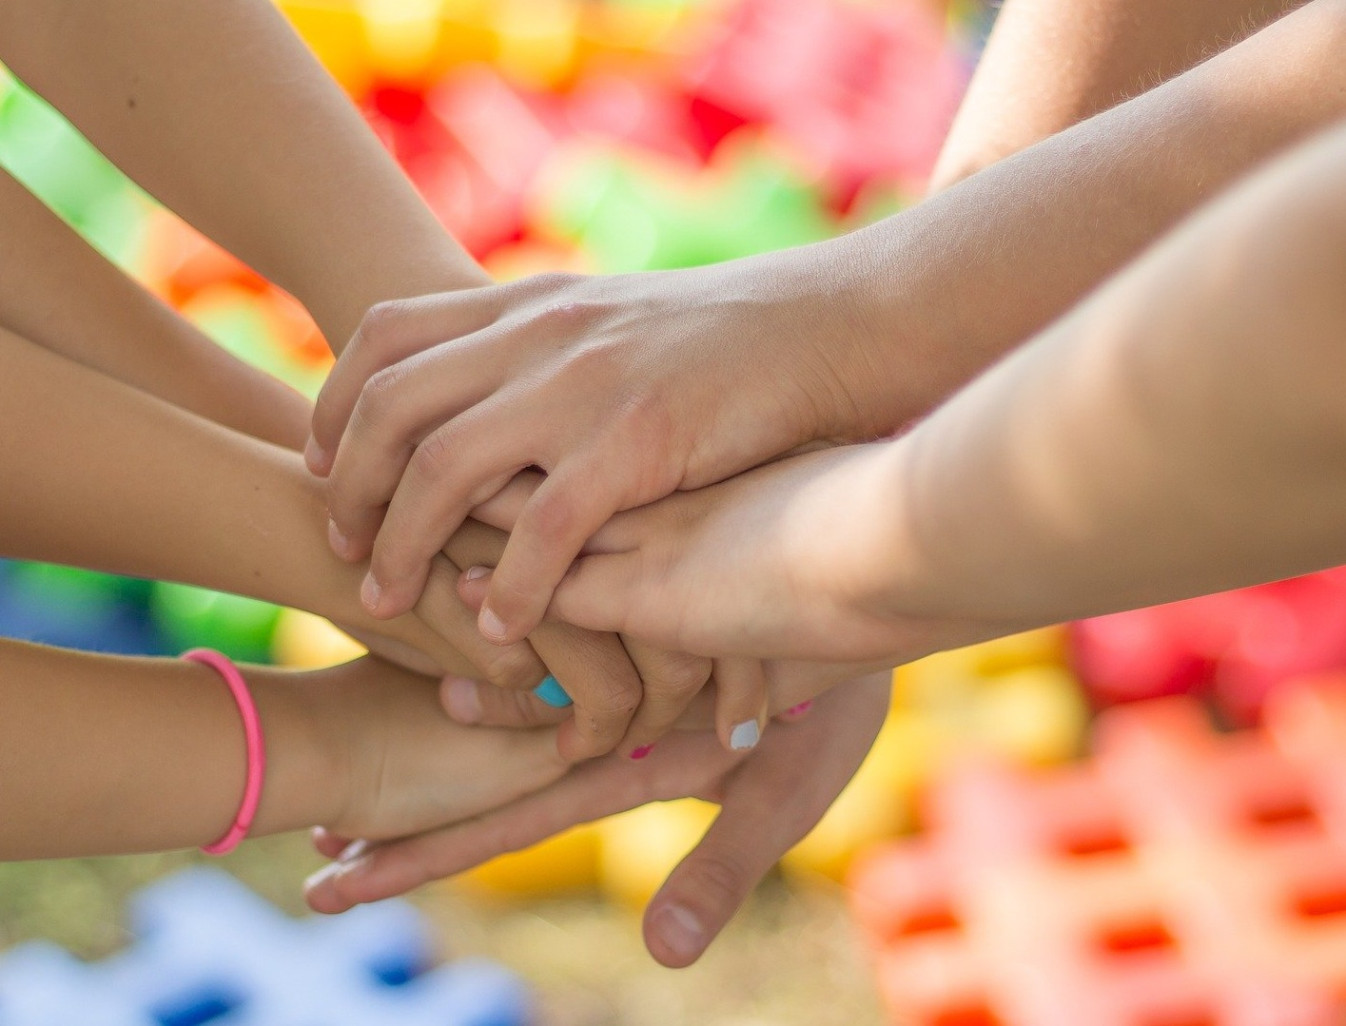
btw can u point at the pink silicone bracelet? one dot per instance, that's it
(252, 732)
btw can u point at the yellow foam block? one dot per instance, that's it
(306, 642)
(877, 804)
(564, 864)
(1034, 716)
(335, 31)
(641, 847)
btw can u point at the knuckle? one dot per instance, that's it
(548, 282)
(550, 515)
(380, 323)
(511, 670)
(721, 876)
(434, 456)
(567, 316)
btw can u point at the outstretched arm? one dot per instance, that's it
(104, 755)
(221, 112)
(61, 293)
(1050, 64)
(616, 386)
(1179, 433)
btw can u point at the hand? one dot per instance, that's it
(622, 389)
(407, 767)
(799, 560)
(769, 801)
(613, 708)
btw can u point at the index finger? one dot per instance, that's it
(389, 333)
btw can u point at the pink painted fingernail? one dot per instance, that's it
(641, 752)
(477, 573)
(800, 709)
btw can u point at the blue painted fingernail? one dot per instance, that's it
(551, 692)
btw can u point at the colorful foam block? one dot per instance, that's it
(1180, 878)
(207, 950)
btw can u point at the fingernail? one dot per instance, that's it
(681, 931)
(371, 593)
(328, 872)
(491, 625)
(352, 852)
(551, 692)
(641, 752)
(462, 701)
(800, 709)
(315, 456)
(745, 736)
(341, 545)
(476, 573)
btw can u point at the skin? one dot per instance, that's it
(315, 203)
(1179, 433)
(1123, 176)
(103, 755)
(615, 386)
(769, 800)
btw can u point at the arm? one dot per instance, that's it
(221, 112)
(617, 387)
(1179, 433)
(59, 292)
(769, 801)
(103, 755)
(1050, 64)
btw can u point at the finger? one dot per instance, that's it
(515, 667)
(596, 593)
(473, 703)
(390, 332)
(396, 409)
(593, 668)
(669, 682)
(456, 467)
(772, 800)
(596, 789)
(741, 705)
(503, 508)
(599, 676)
(569, 506)
(328, 844)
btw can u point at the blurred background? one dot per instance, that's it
(620, 135)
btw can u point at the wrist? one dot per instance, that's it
(861, 369)
(309, 752)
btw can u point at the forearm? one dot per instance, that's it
(1180, 433)
(1052, 63)
(937, 293)
(103, 755)
(59, 292)
(98, 474)
(223, 114)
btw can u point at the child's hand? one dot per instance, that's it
(405, 766)
(793, 561)
(623, 389)
(769, 800)
(626, 698)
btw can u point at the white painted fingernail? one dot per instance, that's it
(327, 872)
(745, 736)
(352, 852)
